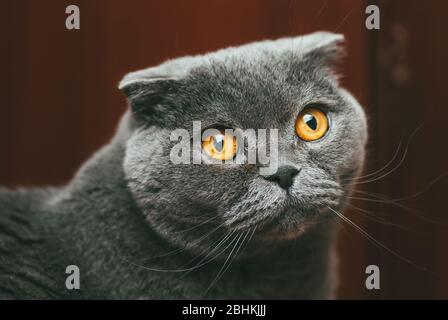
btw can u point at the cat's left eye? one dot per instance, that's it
(222, 146)
(311, 124)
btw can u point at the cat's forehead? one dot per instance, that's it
(240, 92)
(254, 93)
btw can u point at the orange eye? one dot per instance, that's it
(220, 146)
(311, 124)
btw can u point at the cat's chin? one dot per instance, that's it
(277, 231)
(278, 234)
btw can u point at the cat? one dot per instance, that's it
(138, 226)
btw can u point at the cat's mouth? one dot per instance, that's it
(284, 215)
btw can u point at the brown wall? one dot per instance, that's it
(59, 100)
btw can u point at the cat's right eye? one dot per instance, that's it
(222, 146)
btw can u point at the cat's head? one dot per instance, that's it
(288, 85)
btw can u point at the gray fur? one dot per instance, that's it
(130, 218)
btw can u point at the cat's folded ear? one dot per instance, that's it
(150, 94)
(322, 47)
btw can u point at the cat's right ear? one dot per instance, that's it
(151, 96)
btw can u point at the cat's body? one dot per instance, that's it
(138, 234)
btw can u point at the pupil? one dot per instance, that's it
(218, 143)
(311, 121)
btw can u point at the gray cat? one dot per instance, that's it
(139, 226)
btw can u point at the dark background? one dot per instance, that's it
(59, 103)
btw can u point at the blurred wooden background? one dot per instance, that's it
(59, 103)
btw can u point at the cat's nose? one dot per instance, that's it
(284, 176)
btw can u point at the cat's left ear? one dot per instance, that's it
(322, 48)
(151, 95)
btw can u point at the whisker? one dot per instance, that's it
(168, 270)
(376, 242)
(199, 225)
(372, 216)
(203, 261)
(383, 175)
(380, 198)
(345, 229)
(225, 263)
(379, 171)
(250, 238)
(414, 212)
(234, 257)
(343, 20)
(181, 249)
(321, 10)
(221, 242)
(411, 196)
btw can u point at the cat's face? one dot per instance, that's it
(260, 86)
